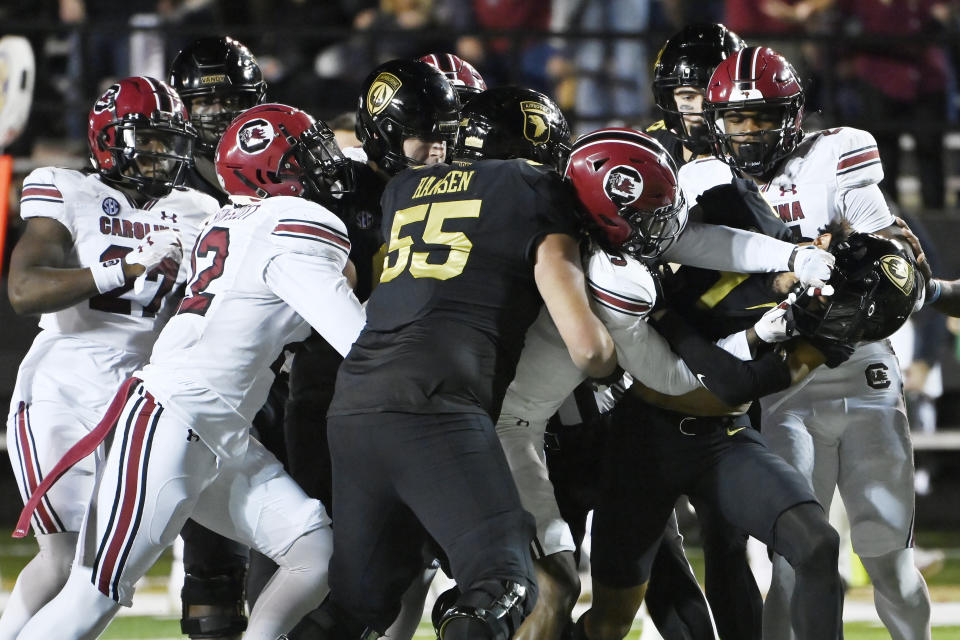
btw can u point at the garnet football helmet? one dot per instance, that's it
(626, 183)
(756, 79)
(403, 99)
(276, 150)
(687, 60)
(221, 68)
(512, 122)
(139, 136)
(466, 80)
(876, 286)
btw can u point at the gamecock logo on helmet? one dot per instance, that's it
(255, 136)
(899, 271)
(108, 100)
(381, 92)
(623, 185)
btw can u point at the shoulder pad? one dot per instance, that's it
(302, 226)
(697, 176)
(43, 192)
(621, 285)
(857, 157)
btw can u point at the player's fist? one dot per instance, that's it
(160, 250)
(812, 265)
(777, 324)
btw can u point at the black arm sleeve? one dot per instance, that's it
(732, 380)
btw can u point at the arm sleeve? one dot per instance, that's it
(866, 209)
(317, 289)
(721, 248)
(726, 376)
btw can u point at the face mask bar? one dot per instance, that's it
(653, 231)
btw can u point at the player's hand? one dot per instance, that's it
(812, 265)
(922, 263)
(777, 324)
(159, 250)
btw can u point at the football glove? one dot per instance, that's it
(811, 265)
(777, 324)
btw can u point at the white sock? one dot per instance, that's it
(900, 595)
(39, 582)
(298, 586)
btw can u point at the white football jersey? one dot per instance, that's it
(262, 272)
(812, 186)
(622, 293)
(104, 225)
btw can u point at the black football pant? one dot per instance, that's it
(401, 479)
(714, 461)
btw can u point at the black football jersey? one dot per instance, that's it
(659, 131)
(445, 325)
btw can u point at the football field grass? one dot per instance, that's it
(944, 588)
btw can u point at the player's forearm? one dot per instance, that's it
(948, 301)
(46, 289)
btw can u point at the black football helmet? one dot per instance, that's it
(512, 122)
(403, 99)
(220, 67)
(876, 287)
(687, 60)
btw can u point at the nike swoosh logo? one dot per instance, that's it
(731, 431)
(702, 378)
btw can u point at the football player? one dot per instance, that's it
(99, 261)
(182, 446)
(472, 248)
(680, 75)
(846, 427)
(217, 78)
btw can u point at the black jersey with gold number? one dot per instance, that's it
(445, 325)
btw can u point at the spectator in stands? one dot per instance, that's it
(900, 88)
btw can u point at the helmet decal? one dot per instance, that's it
(535, 127)
(108, 100)
(623, 185)
(381, 91)
(255, 136)
(213, 78)
(899, 271)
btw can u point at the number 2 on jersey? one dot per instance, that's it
(216, 241)
(435, 213)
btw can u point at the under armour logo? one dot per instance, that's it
(792, 189)
(173, 217)
(191, 436)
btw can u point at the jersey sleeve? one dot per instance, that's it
(622, 290)
(306, 228)
(711, 246)
(698, 176)
(317, 290)
(42, 196)
(858, 159)
(554, 208)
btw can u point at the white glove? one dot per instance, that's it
(159, 250)
(811, 265)
(777, 325)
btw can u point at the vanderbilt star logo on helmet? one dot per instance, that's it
(623, 185)
(535, 121)
(255, 136)
(381, 91)
(107, 100)
(899, 271)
